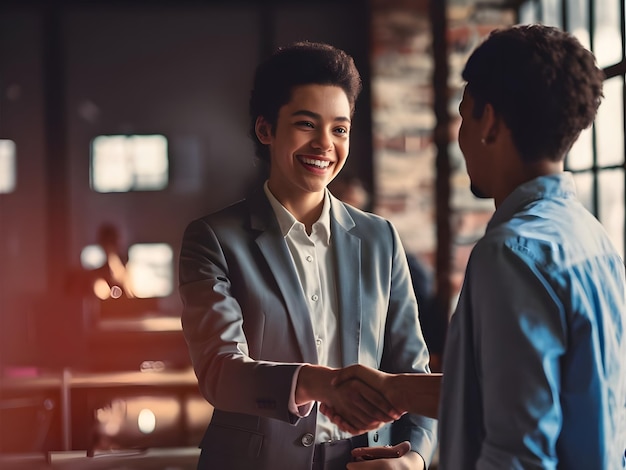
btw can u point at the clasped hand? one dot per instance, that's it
(361, 399)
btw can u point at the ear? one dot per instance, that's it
(263, 130)
(490, 124)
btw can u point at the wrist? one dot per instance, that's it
(313, 383)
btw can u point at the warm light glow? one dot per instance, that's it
(148, 273)
(101, 289)
(111, 418)
(146, 421)
(150, 269)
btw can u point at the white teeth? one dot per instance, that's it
(317, 163)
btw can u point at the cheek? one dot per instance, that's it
(467, 142)
(343, 148)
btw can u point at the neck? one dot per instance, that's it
(306, 208)
(526, 172)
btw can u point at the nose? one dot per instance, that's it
(323, 140)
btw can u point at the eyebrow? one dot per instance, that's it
(311, 114)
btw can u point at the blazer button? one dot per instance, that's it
(307, 439)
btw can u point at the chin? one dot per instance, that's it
(478, 192)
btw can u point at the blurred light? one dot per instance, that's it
(116, 292)
(146, 421)
(101, 289)
(112, 417)
(139, 421)
(92, 257)
(152, 366)
(150, 269)
(148, 273)
(7, 166)
(121, 163)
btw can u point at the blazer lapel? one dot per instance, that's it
(347, 250)
(274, 249)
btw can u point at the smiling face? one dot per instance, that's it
(310, 142)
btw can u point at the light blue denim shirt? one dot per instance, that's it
(535, 359)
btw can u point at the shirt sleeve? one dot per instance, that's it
(212, 321)
(520, 338)
(301, 411)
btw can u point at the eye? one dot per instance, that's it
(307, 124)
(342, 130)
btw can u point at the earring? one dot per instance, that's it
(483, 141)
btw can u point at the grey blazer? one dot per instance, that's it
(247, 327)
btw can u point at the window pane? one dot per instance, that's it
(528, 13)
(607, 40)
(7, 166)
(552, 13)
(578, 20)
(584, 189)
(580, 156)
(150, 269)
(611, 205)
(610, 124)
(129, 163)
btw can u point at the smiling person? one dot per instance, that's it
(285, 287)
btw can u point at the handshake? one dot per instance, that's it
(358, 398)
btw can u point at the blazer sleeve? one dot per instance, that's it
(405, 351)
(212, 322)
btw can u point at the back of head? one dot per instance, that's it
(541, 81)
(301, 63)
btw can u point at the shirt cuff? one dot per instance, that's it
(301, 411)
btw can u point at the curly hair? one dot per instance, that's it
(543, 83)
(301, 63)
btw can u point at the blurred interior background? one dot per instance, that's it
(120, 121)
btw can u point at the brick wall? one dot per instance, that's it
(403, 123)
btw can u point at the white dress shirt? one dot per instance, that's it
(314, 262)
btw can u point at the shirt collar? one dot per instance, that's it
(287, 221)
(556, 185)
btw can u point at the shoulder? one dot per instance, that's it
(358, 220)
(235, 214)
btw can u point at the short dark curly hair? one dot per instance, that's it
(301, 63)
(542, 81)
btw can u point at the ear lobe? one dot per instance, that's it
(262, 130)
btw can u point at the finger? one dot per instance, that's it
(369, 403)
(380, 464)
(355, 371)
(382, 452)
(327, 410)
(348, 418)
(342, 424)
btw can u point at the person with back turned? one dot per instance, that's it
(534, 372)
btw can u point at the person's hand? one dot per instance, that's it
(356, 377)
(360, 407)
(381, 452)
(355, 403)
(376, 379)
(411, 392)
(405, 461)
